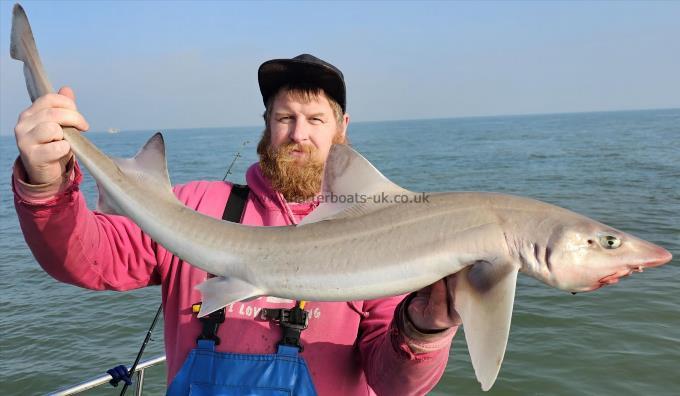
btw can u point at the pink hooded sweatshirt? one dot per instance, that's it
(351, 348)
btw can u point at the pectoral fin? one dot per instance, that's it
(484, 297)
(219, 292)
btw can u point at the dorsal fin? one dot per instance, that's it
(350, 184)
(150, 160)
(148, 167)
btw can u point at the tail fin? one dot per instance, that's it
(22, 47)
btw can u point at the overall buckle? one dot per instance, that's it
(292, 321)
(211, 323)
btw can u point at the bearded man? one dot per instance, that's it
(390, 346)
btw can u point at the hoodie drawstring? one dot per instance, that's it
(286, 208)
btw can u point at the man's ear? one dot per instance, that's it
(341, 133)
(345, 123)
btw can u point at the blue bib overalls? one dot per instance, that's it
(206, 372)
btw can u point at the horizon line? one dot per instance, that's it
(400, 119)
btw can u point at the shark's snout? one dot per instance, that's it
(659, 258)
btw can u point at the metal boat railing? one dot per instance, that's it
(104, 379)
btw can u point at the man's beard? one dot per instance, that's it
(298, 179)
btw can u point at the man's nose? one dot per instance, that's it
(299, 131)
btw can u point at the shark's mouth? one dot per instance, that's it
(614, 278)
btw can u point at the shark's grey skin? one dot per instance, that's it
(345, 252)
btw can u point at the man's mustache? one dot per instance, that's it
(288, 148)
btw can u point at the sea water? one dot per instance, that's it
(621, 168)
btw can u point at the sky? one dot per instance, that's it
(175, 64)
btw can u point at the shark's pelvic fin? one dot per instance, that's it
(147, 168)
(484, 297)
(348, 179)
(219, 292)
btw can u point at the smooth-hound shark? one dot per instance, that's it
(345, 252)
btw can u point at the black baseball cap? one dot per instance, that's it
(304, 69)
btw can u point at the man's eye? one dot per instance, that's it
(317, 120)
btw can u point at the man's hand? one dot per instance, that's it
(432, 308)
(40, 139)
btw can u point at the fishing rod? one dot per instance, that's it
(141, 350)
(233, 161)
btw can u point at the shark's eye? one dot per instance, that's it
(610, 242)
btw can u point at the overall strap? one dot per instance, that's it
(233, 212)
(236, 203)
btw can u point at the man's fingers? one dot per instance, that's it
(28, 141)
(64, 100)
(68, 92)
(52, 152)
(438, 295)
(63, 117)
(45, 133)
(451, 282)
(50, 100)
(40, 137)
